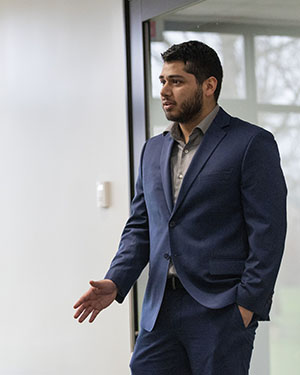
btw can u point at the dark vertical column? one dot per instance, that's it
(137, 15)
(137, 81)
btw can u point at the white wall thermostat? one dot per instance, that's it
(103, 194)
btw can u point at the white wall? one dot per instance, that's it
(62, 128)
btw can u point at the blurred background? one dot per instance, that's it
(64, 128)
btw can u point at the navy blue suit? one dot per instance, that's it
(226, 232)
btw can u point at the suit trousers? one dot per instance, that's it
(190, 339)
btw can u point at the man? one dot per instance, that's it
(209, 216)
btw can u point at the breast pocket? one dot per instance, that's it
(223, 175)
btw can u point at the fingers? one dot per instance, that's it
(91, 301)
(85, 314)
(78, 303)
(79, 311)
(84, 311)
(82, 300)
(85, 297)
(94, 315)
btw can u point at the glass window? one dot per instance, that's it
(277, 61)
(285, 326)
(259, 46)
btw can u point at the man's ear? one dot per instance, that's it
(209, 86)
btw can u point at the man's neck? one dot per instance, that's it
(188, 127)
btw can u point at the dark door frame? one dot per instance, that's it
(137, 23)
(138, 13)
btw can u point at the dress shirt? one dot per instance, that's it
(183, 153)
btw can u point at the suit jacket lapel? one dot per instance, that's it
(165, 169)
(212, 138)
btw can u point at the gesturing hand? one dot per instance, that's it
(101, 294)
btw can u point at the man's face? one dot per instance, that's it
(181, 95)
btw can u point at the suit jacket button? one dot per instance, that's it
(167, 256)
(172, 224)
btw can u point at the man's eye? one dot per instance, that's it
(176, 82)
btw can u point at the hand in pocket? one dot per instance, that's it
(246, 314)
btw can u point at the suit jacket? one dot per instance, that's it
(226, 232)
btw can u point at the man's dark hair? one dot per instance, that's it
(200, 60)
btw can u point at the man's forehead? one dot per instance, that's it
(177, 66)
(174, 68)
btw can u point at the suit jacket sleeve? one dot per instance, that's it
(133, 252)
(263, 192)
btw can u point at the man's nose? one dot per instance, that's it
(165, 90)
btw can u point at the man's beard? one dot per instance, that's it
(190, 109)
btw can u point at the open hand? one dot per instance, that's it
(101, 294)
